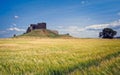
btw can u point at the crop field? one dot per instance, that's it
(34, 56)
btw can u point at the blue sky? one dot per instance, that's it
(80, 18)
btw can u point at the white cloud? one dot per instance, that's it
(14, 24)
(16, 16)
(2, 32)
(82, 2)
(88, 19)
(71, 29)
(118, 13)
(115, 25)
(60, 26)
(74, 29)
(16, 29)
(96, 27)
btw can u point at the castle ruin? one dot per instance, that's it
(39, 26)
(36, 26)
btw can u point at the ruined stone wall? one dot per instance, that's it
(55, 31)
(41, 26)
(36, 26)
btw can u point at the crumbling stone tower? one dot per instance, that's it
(36, 26)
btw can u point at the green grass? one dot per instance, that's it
(34, 56)
(43, 33)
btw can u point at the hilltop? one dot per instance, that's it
(45, 33)
(40, 30)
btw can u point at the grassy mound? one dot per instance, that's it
(43, 33)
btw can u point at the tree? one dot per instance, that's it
(14, 35)
(107, 33)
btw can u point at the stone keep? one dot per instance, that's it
(36, 26)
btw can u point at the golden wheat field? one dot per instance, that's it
(34, 56)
